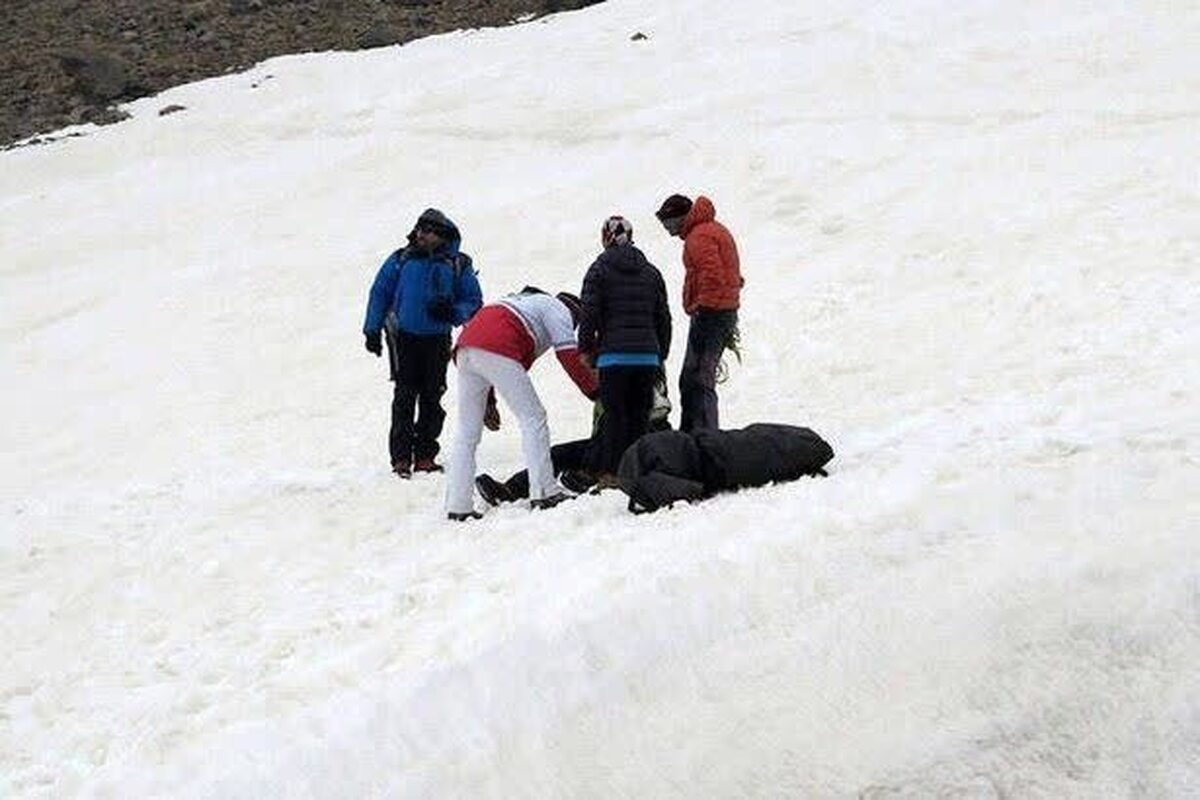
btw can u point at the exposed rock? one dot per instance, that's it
(106, 116)
(64, 61)
(174, 108)
(99, 77)
(381, 34)
(245, 6)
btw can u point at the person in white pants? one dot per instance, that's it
(494, 353)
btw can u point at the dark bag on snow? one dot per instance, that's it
(662, 468)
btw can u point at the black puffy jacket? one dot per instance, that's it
(661, 468)
(624, 305)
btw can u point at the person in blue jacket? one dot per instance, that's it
(421, 292)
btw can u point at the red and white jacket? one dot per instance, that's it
(522, 327)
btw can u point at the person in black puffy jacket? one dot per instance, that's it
(625, 330)
(662, 468)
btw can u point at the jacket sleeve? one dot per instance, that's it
(589, 317)
(662, 319)
(383, 291)
(702, 259)
(468, 296)
(653, 490)
(583, 377)
(649, 486)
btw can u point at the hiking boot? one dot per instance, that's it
(576, 480)
(493, 491)
(551, 501)
(427, 465)
(403, 469)
(465, 516)
(606, 480)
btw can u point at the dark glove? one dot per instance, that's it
(441, 309)
(375, 343)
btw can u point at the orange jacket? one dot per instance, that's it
(712, 273)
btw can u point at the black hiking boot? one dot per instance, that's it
(427, 465)
(402, 469)
(465, 516)
(493, 491)
(541, 504)
(576, 480)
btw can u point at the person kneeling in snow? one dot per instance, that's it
(570, 459)
(495, 351)
(661, 468)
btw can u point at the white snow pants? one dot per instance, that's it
(478, 371)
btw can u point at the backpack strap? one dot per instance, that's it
(401, 257)
(459, 263)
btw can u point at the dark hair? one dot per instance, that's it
(436, 222)
(676, 205)
(573, 304)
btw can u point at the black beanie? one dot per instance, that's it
(674, 206)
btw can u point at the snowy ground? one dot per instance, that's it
(970, 233)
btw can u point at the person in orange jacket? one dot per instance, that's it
(712, 287)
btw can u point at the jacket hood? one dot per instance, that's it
(703, 210)
(432, 216)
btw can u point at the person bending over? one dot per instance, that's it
(493, 355)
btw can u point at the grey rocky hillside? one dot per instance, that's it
(70, 61)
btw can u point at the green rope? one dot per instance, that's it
(733, 343)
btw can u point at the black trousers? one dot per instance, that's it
(708, 334)
(565, 456)
(626, 392)
(419, 372)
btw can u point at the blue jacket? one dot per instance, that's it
(409, 281)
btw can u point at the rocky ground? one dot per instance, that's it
(70, 61)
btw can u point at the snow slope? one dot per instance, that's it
(970, 239)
